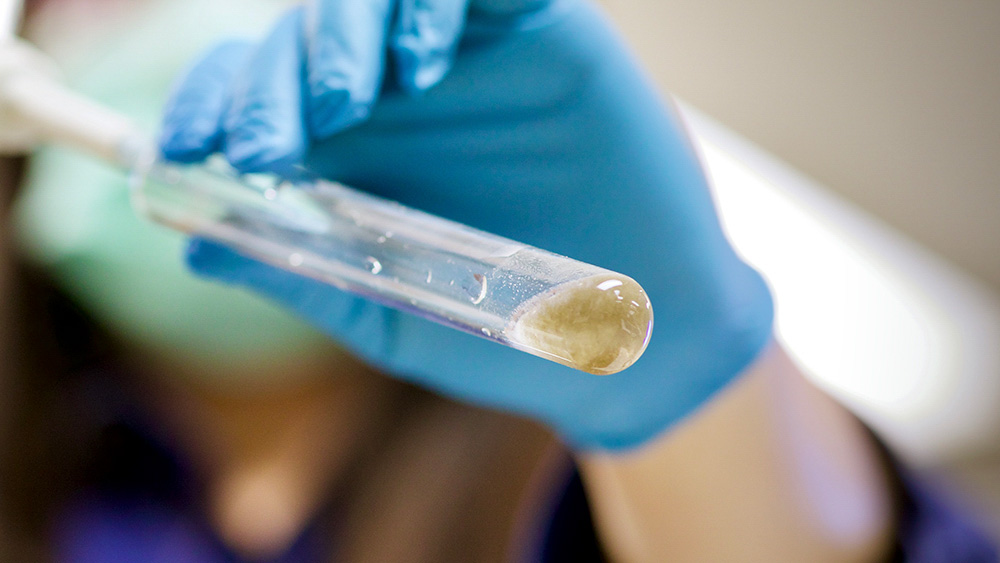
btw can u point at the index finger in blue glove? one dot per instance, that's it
(265, 124)
(191, 128)
(346, 60)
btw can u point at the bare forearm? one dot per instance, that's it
(771, 470)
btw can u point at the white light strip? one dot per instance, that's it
(10, 18)
(906, 340)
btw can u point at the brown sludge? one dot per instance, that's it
(600, 324)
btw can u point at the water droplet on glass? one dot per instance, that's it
(389, 234)
(270, 193)
(373, 265)
(380, 240)
(477, 291)
(295, 259)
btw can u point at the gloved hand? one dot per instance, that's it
(529, 120)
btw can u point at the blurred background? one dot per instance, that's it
(884, 120)
(891, 104)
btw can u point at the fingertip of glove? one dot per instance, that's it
(188, 133)
(251, 156)
(334, 107)
(255, 147)
(190, 127)
(184, 146)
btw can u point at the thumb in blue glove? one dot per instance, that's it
(541, 130)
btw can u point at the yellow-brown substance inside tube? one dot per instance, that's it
(600, 324)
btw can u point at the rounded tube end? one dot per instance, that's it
(600, 324)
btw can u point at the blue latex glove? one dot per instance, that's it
(543, 130)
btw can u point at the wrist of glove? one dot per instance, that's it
(534, 123)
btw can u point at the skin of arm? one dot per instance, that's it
(771, 470)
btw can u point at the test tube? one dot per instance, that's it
(561, 309)
(548, 305)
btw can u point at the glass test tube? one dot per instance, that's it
(561, 309)
(573, 313)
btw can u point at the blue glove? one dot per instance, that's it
(528, 119)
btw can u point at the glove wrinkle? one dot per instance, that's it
(192, 124)
(264, 125)
(345, 43)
